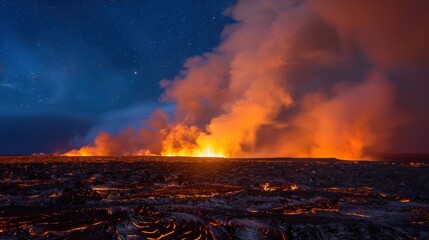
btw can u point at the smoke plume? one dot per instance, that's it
(290, 78)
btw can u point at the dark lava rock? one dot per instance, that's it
(78, 194)
(184, 198)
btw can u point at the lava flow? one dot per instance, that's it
(56, 197)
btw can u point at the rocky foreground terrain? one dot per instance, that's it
(48, 197)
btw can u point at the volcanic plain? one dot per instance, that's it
(55, 197)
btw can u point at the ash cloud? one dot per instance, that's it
(390, 33)
(297, 78)
(393, 37)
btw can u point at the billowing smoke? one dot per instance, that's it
(291, 78)
(390, 33)
(355, 117)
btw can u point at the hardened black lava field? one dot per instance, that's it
(53, 197)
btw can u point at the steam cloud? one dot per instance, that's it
(291, 78)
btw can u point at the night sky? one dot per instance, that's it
(67, 66)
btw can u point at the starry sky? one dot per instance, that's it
(67, 66)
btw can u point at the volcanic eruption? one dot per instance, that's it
(289, 78)
(260, 121)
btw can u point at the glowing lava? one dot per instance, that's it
(205, 152)
(83, 152)
(173, 145)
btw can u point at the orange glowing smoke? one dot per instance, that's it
(355, 118)
(183, 141)
(258, 95)
(106, 145)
